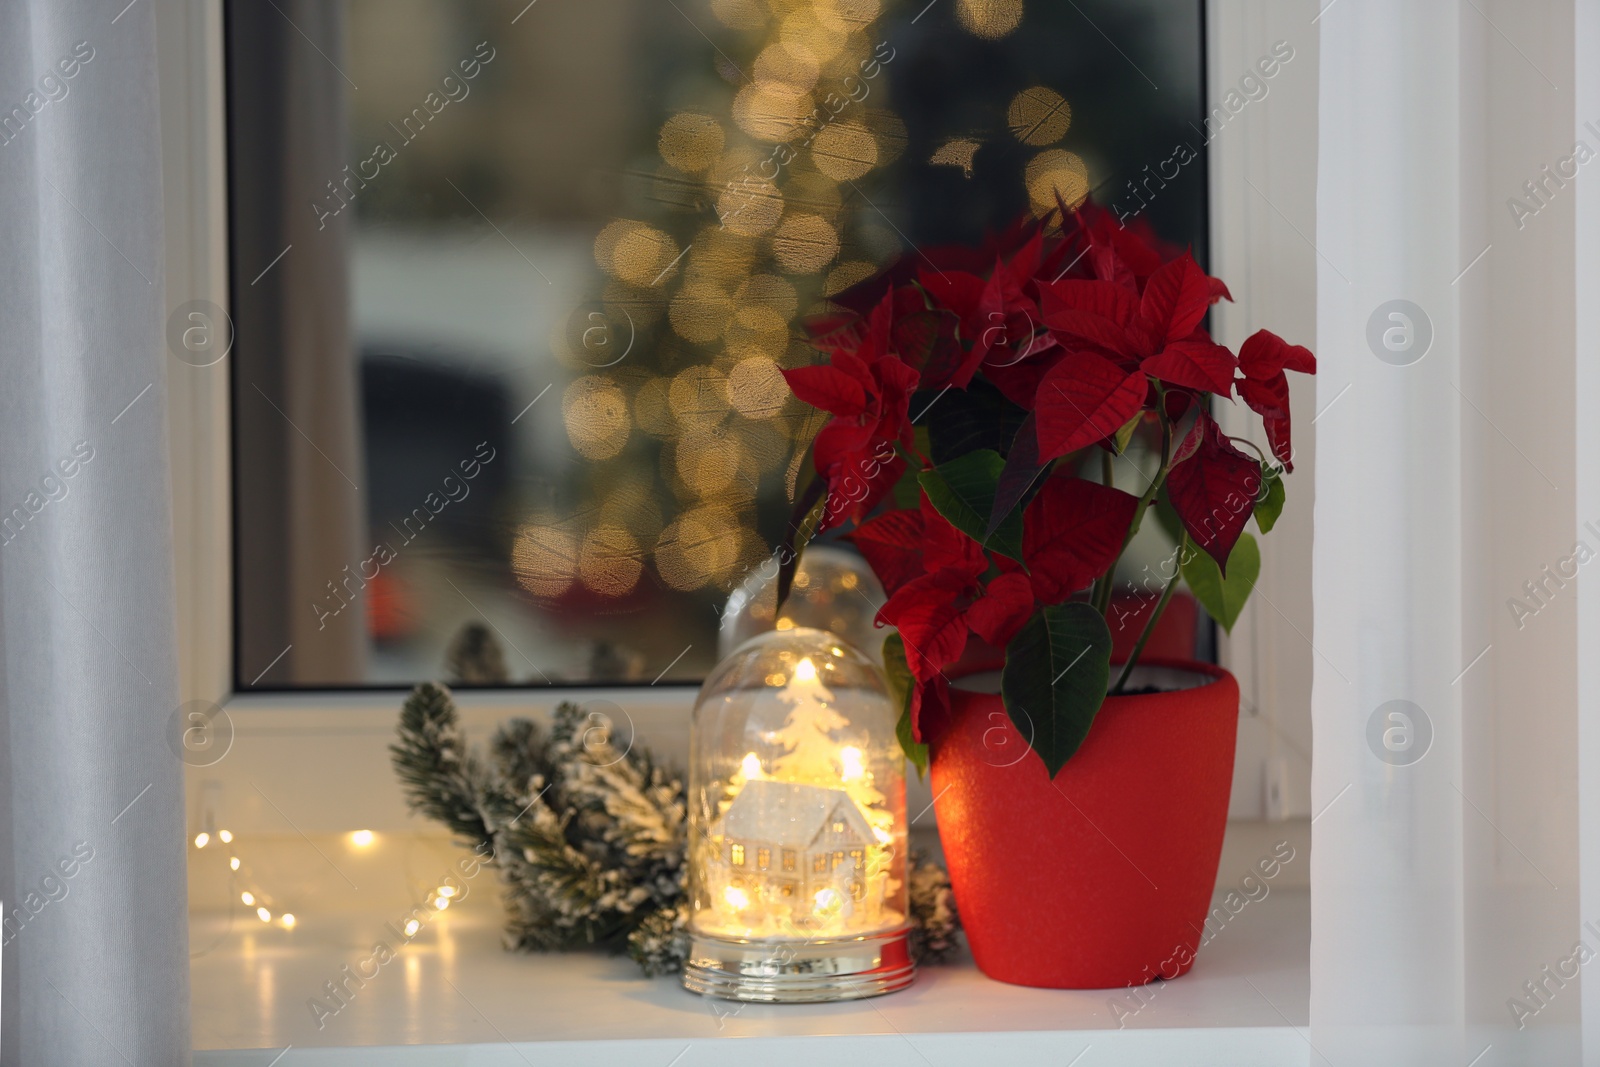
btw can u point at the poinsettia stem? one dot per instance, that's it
(1252, 446)
(1155, 617)
(1100, 596)
(1103, 593)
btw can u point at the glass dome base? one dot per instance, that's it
(799, 972)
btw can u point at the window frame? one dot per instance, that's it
(339, 738)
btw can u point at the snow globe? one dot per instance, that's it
(833, 590)
(797, 826)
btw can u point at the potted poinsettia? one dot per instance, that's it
(982, 401)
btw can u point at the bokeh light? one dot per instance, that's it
(804, 244)
(700, 311)
(634, 252)
(544, 559)
(756, 388)
(1056, 171)
(1039, 116)
(989, 19)
(844, 150)
(610, 561)
(845, 275)
(771, 111)
(691, 142)
(596, 416)
(749, 205)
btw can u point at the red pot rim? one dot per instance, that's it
(979, 662)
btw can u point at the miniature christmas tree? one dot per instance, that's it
(811, 748)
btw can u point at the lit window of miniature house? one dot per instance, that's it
(797, 792)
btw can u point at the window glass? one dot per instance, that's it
(513, 284)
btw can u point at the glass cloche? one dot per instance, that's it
(834, 590)
(797, 826)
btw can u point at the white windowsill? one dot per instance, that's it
(455, 996)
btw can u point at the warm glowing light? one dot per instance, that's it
(233, 863)
(804, 244)
(264, 915)
(441, 903)
(225, 836)
(845, 275)
(802, 836)
(691, 142)
(697, 546)
(827, 901)
(596, 415)
(957, 152)
(844, 151)
(707, 462)
(701, 309)
(756, 388)
(447, 891)
(362, 838)
(202, 839)
(1055, 173)
(989, 19)
(247, 898)
(1039, 116)
(412, 926)
(635, 253)
(610, 561)
(287, 919)
(542, 558)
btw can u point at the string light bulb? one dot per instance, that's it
(447, 891)
(362, 838)
(247, 897)
(412, 926)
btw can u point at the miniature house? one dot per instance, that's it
(794, 840)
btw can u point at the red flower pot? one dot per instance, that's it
(1101, 878)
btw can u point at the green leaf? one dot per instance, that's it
(961, 420)
(1124, 435)
(1167, 516)
(907, 491)
(963, 489)
(1054, 680)
(1224, 598)
(1270, 504)
(900, 683)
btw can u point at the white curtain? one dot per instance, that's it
(1456, 475)
(94, 956)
